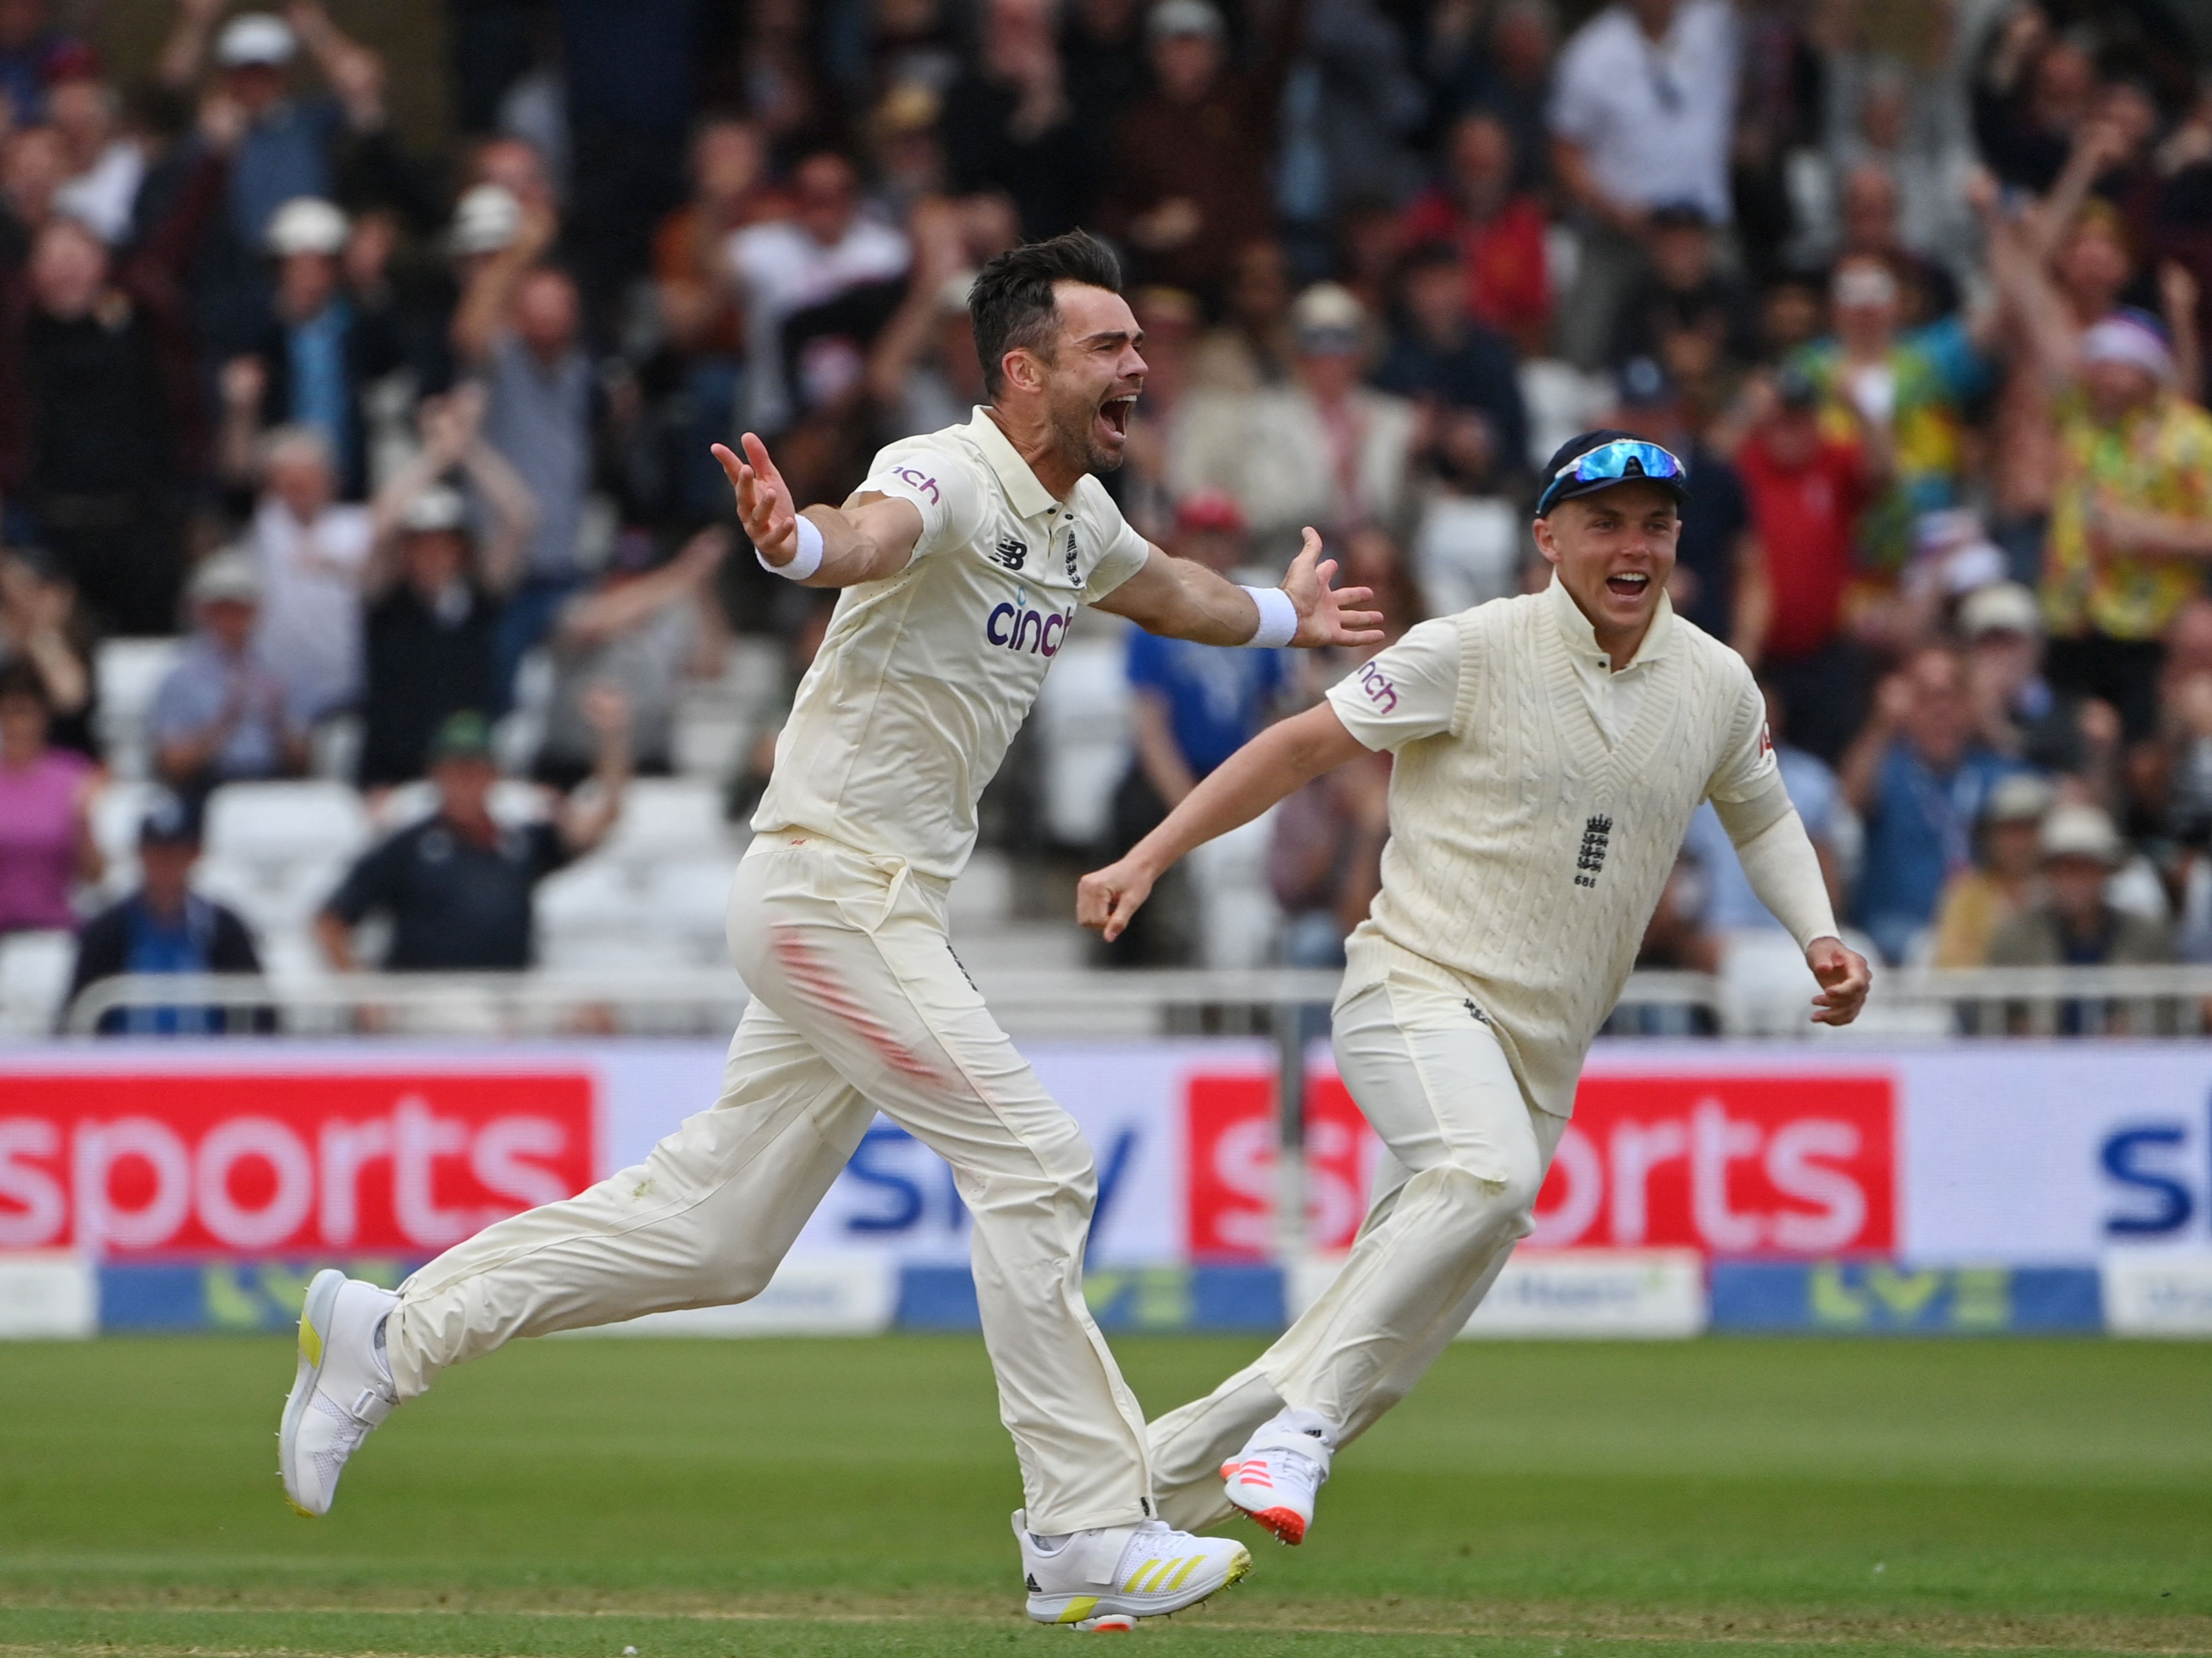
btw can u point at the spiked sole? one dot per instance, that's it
(314, 1324)
(1287, 1524)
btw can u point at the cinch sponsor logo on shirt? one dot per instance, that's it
(921, 481)
(1377, 686)
(1018, 628)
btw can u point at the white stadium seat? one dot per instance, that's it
(127, 673)
(34, 975)
(284, 823)
(1083, 714)
(664, 817)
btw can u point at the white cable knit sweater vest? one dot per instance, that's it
(1527, 852)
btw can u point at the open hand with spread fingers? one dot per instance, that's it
(1325, 616)
(765, 511)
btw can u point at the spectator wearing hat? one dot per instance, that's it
(2072, 922)
(1189, 183)
(1917, 776)
(2018, 711)
(324, 347)
(457, 887)
(1904, 396)
(1643, 106)
(1324, 449)
(1440, 359)
(435, 588)
(1193, 706)
(1804, 489)
(41, 627)
(291, 144)
(2008, 853)
(639, 630)
(164, 926)
(2131, 511)
(1494, 227)
(45, 831)
(221, 716)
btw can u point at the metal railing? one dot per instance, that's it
(2138, 1001)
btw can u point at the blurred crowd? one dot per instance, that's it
(396, 434)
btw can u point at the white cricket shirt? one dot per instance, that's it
(1537, 804)
(925, 676)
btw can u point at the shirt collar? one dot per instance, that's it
(1028, 497)
(1581, 638)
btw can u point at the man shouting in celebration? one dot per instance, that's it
(1550, 752)
(964, 557)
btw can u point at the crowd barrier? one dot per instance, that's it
(1935, 1187)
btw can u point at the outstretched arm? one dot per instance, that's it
(1285, 757)
(1182, 600)
(872, 538)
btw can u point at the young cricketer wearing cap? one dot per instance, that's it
(964, 557)
(1550, 749)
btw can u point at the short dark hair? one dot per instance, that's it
(1012, 304)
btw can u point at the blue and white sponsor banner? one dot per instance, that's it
(1884, 1297)
(2158, 1292)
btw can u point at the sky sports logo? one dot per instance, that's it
(1016, 627)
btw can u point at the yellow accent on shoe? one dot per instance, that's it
(1078, 1609)
(1176, 1582)
(311, 1341)
(1136, 1583)
(1236, 1572)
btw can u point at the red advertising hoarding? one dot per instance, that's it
(257, 1163)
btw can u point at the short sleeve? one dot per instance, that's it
(1748, 765)
(1125, 553)
(1405, 693)
(371, 883)
(942, 485)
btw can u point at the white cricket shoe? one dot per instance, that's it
(1102, 1580)
(342, 1390)
(1279, 1472)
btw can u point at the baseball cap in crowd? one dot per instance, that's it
(1643, 384)
(2133, 336)
(2002, 607)
(1174, 18)
(255, 38)
(463, 736)
(1796, 390)
(169, 823)
(487, 218)
(439, 507)
(229, 577)
(2076, 830)
(2022, 797)
(307, 224)
(1597, 460)
(1210, 511)
(1328, 318)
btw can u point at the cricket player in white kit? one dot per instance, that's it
(963, 556)
(1549, 752)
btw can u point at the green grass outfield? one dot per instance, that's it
(799, 1497)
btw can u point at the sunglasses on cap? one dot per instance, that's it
(1611, 463)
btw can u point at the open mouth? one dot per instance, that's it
(1628, 584)
(1115, 414)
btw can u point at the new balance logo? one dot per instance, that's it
(1598, 833)
(1011, 552)
(1475, 1011)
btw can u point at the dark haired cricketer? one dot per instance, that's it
(961, 558)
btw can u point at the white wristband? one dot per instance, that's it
(804, 562)
(1279, 619)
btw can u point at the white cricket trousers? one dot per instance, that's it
(1464, 1153)
(858, 1004)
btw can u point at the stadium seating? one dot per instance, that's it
(127, 672)
(34, 974)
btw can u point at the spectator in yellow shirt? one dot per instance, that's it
(1977, 901)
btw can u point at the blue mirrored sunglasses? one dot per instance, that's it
(1609, 463)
